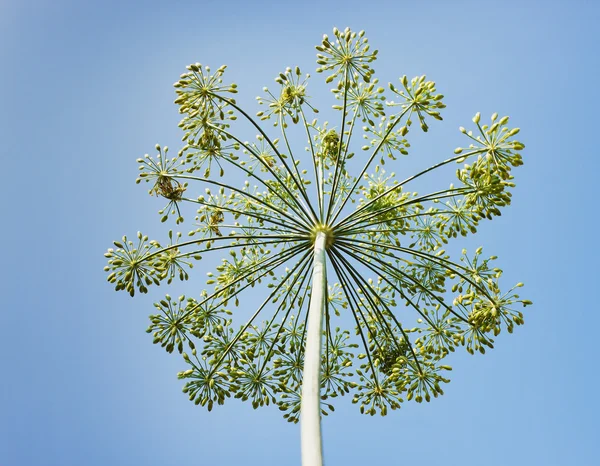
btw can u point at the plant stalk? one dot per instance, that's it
(310, 412)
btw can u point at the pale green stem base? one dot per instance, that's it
(310, 413)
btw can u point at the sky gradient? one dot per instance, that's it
(86, 89)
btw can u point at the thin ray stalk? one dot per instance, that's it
(260, 202)
(358, 279)
(359, 177)
(337, 267)
(251, 120)
(269, 265)
(383, 272)
(265, 302)
(403, 182)
(303, 212)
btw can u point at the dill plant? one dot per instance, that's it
(307, 229)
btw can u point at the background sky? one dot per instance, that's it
(85, 89)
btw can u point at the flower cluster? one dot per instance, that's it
(173, 326)
(132, 265)
(365, 99)
(388, 142)
(419, 96)
(347, 57)
(384, 243)
(162, 172)
(292, 96)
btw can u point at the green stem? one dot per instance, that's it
(314, 160)
(290, 308)
(359, 177)
(352, 298)
(260, 202)
(302, 212)
(265, 302)
(447, 264)
(310, 412)
(453, 192)
(293, 160)
(281, 158)
(342, 162)
(248, 213)
(358, 279)
(266, 266)
(384, 269)
(222, 238)
(339, 162)
(402, 183)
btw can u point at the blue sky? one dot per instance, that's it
(85, 89)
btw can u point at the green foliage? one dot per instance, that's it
(374, 225)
